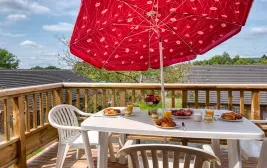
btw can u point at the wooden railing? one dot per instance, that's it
(25, 112)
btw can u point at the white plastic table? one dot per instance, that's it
(141, 123)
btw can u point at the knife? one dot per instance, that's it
(183, 126)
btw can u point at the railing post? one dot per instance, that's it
(58, 95)
(113, 97)
(207, 98)
(104, 99)
(78, 104)
(184, 99)
(41, 109)
(86, 100)
(142, 95)
(123, 98)
(69, 96)
(7, 119)
(133, 96)
(196, 99)
(34, 112)
(173, 99)
(47, 108)
(95, 100)
(19, 130)
(241, 103)
(218, 99)
(255, 105)
(230, 100)
(27, 114)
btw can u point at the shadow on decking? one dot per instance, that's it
(47, 159)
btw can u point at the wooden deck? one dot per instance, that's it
(47, 159)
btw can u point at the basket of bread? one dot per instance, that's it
(231, 116)
(111, 112)
(165, 123)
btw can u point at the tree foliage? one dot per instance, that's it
(48, 67)
(225, 59)
(8, 60)
(172, 74)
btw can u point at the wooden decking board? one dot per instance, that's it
(47, 159)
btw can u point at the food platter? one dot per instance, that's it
(111, 112)
(182, 113)
(231, 117)
(177, 125)
(237, 120)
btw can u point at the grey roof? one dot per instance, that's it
(22, 77)
(229, 74)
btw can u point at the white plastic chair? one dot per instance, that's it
(255, 148)
(64, 119)
(166, 156)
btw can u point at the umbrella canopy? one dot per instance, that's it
(124, 34)
(134, 35)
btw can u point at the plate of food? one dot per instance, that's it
(182, 113)
(165, 123)
(111, 112)
(231, 116)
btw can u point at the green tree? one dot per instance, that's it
(243, 61)
(8, 60)
(48, 67)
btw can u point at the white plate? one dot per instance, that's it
(182, 117)
(177, 125)
(231, 120)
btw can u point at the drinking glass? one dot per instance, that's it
(168, 114)
(129, 108)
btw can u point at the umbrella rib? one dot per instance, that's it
(119, 45)
(130, 5)
(180, 37)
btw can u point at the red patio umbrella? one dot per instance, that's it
(135, 35)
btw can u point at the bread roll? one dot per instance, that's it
(228, 116)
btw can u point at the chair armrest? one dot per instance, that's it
(208, 148)
(83, 113)
(128, 143)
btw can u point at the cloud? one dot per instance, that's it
(15, 17)
(60, 27)
(22, 6)
(259, 30)
(30, 44)
(51, 54)
(12, 35)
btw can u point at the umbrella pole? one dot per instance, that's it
(161, 74)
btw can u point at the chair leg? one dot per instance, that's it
(111, 152)
(61, 154)
(78, 154)
(110, 148)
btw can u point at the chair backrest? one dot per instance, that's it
(162, 155)
(61, 116)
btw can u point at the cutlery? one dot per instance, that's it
(183, 126)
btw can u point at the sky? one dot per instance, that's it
(29, 29)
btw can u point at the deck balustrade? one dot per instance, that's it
(25, 110)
